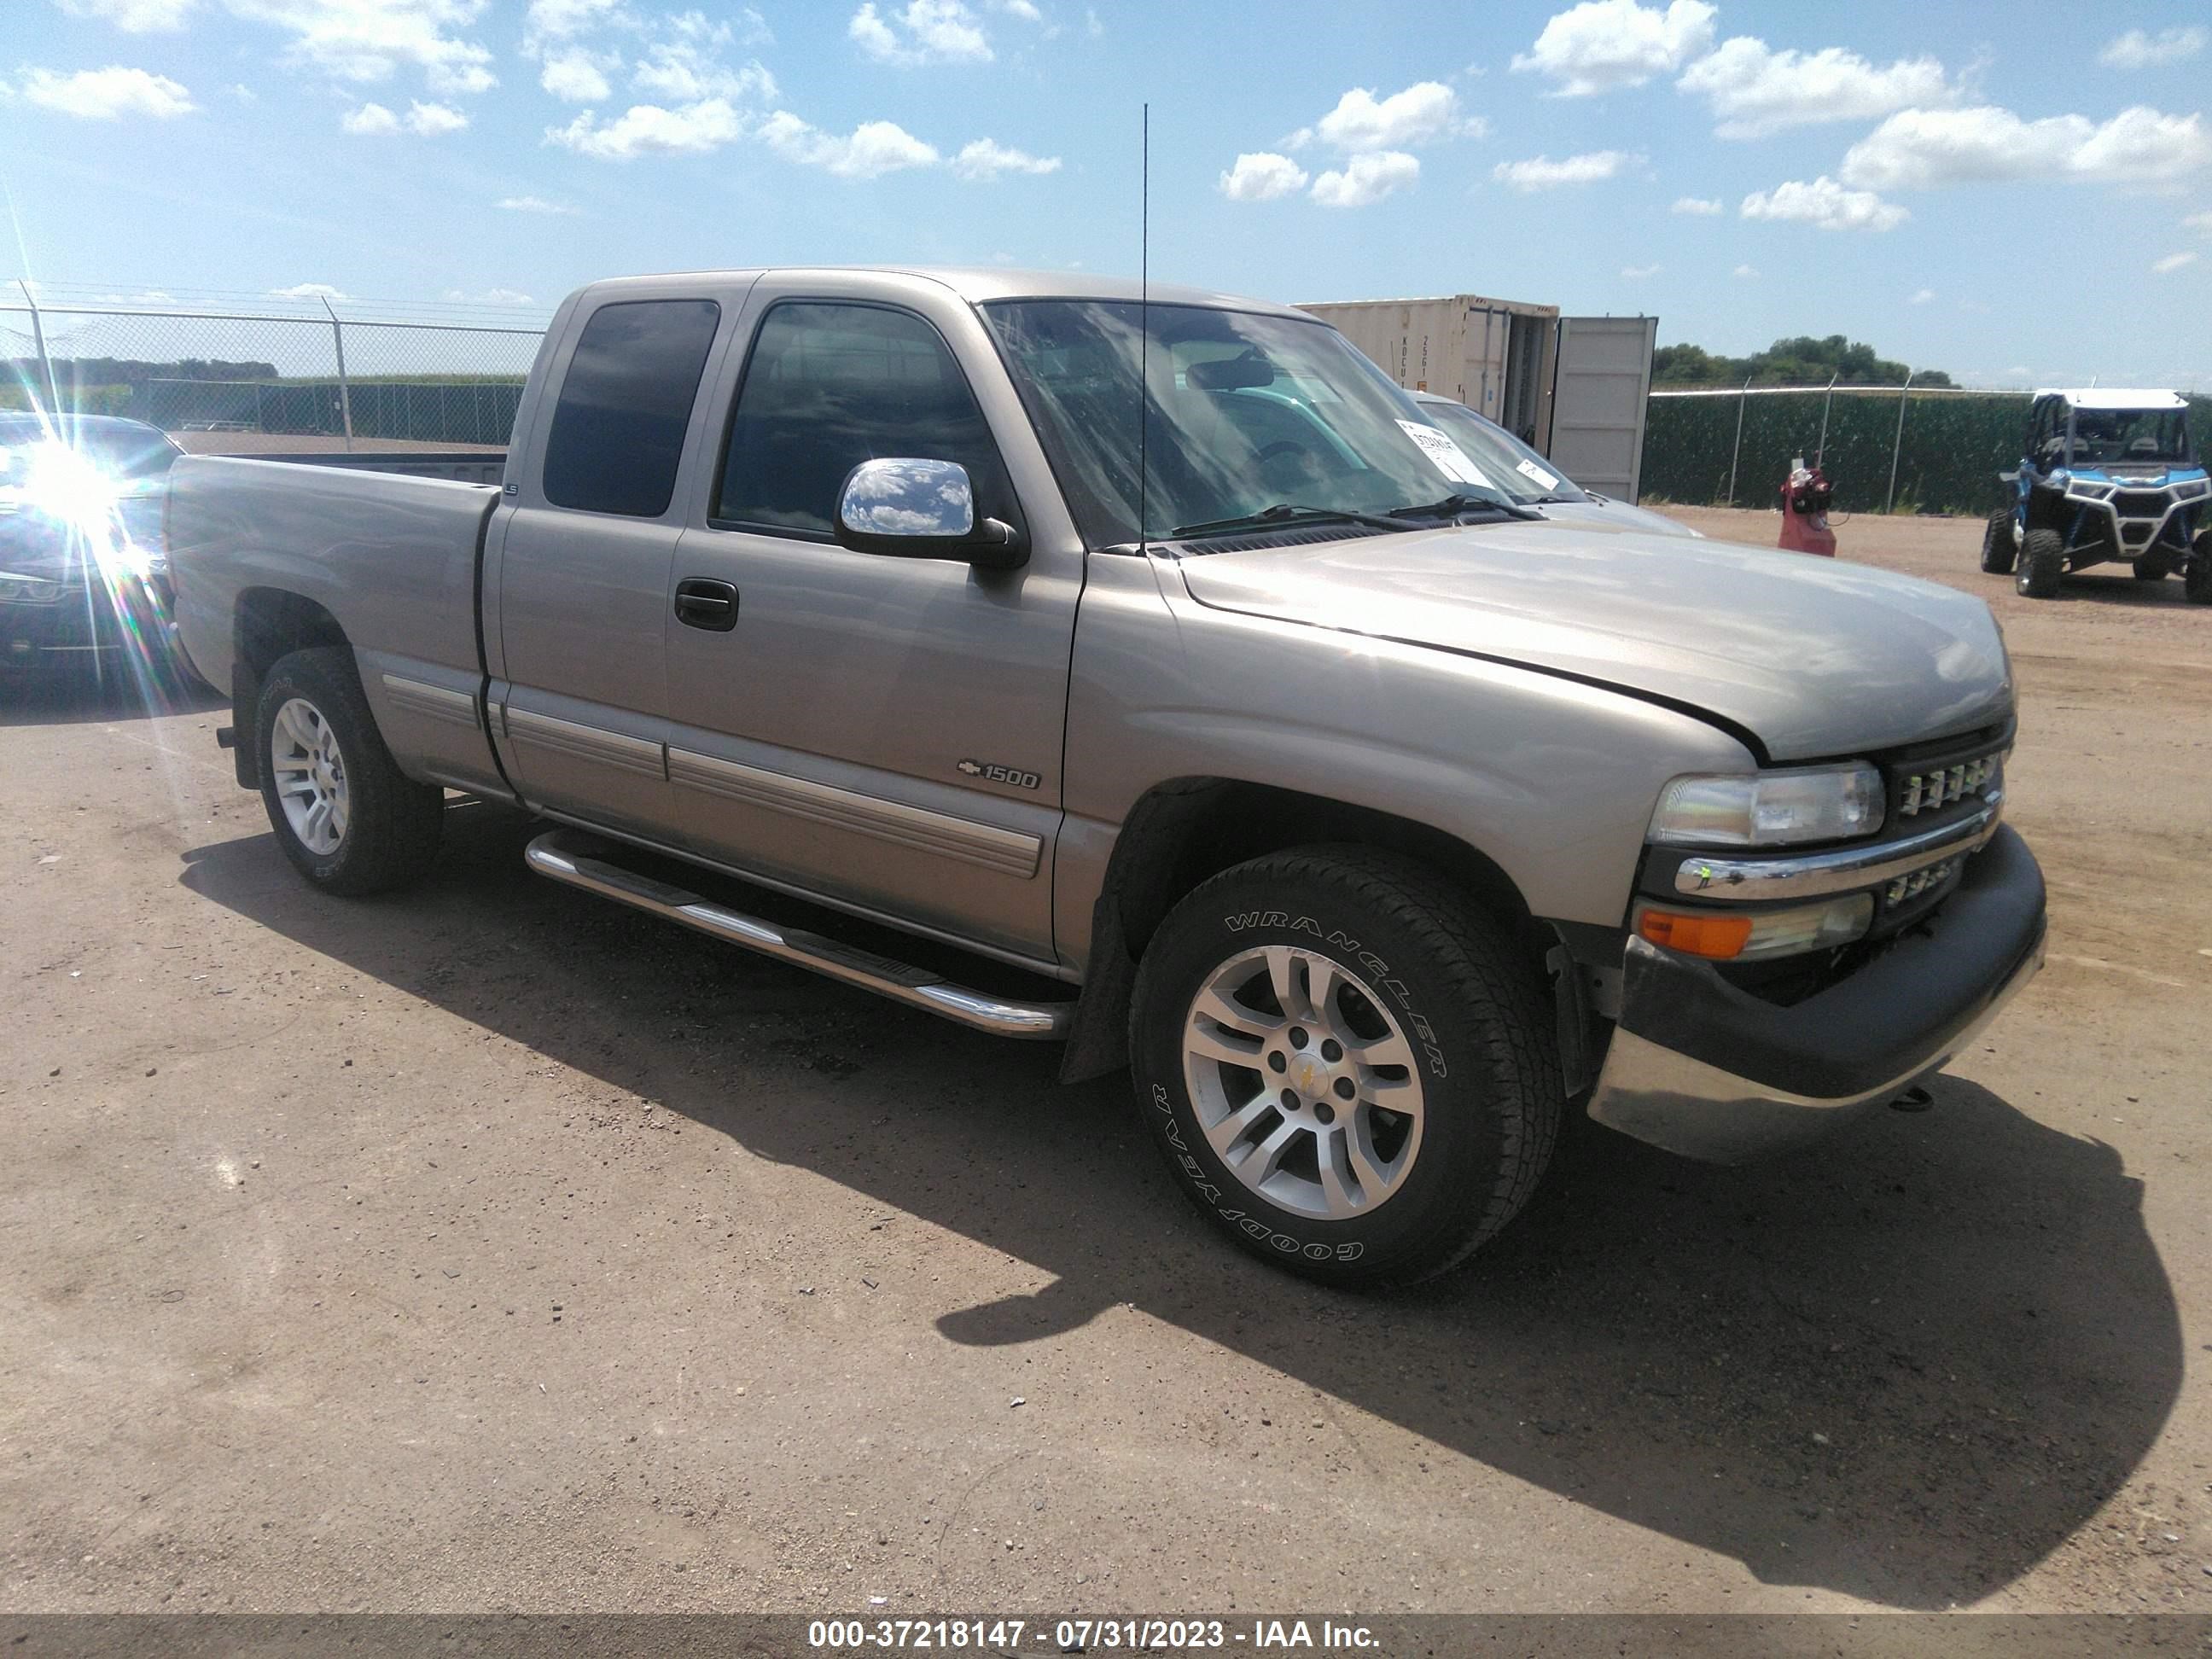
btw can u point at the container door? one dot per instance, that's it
(1602, 383)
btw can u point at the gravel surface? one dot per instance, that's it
(491, 1247)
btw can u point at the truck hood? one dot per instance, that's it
(1812, 657)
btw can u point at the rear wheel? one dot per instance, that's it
(348, 817)
(2198, 584)
(1998, 548)
(2152, 569)
(1348, 1067)
(2042, 561)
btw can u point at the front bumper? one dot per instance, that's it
(1701, 1068)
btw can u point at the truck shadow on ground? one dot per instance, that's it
(1906, 1366)
(70, 696)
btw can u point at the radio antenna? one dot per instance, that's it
(1143, 306)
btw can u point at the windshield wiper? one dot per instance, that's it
(1288, 513)
(1452, 505)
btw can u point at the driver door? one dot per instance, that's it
(883, 732)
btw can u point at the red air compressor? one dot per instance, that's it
(1805, 500)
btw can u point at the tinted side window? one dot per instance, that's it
(830, 386)
(618, 428)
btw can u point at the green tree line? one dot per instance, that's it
(1800, 359)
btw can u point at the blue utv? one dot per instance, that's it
(2108, 474)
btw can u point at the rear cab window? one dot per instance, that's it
(619, 425)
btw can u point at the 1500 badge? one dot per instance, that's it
(1006, 775)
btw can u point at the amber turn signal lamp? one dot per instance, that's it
(1718, 937)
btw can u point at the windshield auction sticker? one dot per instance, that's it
(1449, 457)
(1530, 470)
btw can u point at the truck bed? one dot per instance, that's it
(480, 466)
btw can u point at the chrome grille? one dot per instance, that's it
(1937, 786)
(1920, 881)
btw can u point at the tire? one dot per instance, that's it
(2042, 561)
(2197, 584)
(1418, 971)
(2149, 570)
(1998, 547)
(384, 828)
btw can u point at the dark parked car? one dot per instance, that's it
(84, 576)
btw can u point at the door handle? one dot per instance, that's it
(712, 605)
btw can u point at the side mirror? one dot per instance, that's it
(921, 509)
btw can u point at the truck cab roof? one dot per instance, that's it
(974, 283)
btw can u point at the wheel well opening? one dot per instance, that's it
(1188, 831)
(272, 623)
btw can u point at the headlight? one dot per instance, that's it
(1770, 809)
(1740, 935)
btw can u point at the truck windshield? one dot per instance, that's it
(1518, 470)
(2105, 437)
(1242, 413)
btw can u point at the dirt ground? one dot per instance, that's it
(493, 1247)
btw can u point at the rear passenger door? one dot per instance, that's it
(577, 593)
(883, 732)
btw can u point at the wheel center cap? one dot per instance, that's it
(1309, 1076)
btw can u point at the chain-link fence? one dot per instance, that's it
(338, 379)
(1884, 448)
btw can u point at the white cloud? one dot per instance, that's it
(920, 32)
(576, 75)
(561, 19)
(1262, 176)
(1754, 90)
(1092, 26)
(1021, 8)
(425, 120)
(1367, 178)
(1827, 204)
(1602, 43)
(307, 291)
(2174, 262)
(1698, 207)
(434, 120)
(684, 65)
(369, 121)
(650, 130)
(2137, 49)
(984, 160)
(104, 94)
(1922, 296)
(1920, 149)
(533, 204)
(491, 297)
(872, 149)
(1424, 111)
(1746, 273)
(2200, 222)
(369, 41)
(1542, 173)
(1638, 273)
(135, 17)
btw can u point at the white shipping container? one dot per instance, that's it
(1574, 387)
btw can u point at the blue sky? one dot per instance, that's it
(2006, 192)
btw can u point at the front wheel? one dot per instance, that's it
(348, 817)
(1998, 548)
(1348, 1065)
(2197, 584)
(2042, 561)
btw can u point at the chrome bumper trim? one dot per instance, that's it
(1700, 1111)
(558, 855)
(1813, 875)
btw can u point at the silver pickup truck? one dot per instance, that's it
(1156, 654)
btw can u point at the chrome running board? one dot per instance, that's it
(566, 857)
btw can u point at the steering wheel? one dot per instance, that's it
(1282, 447)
